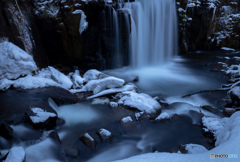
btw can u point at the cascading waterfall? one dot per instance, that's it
(153, 31)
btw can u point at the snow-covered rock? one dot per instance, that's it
(140, 101)
(213, 124)
(235, 95)
(99, 85)
(195, 148)
(113, 104)
(16, 154)
(93, 74)
(163, 116)
(127, 87)
(41, 119)
(104, 135)
(41, 115)
(126, 119)
(14, 62)
(102, 101)
(77, 80)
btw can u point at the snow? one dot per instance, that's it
(227, 49)
(5, 84)
(14, 62)
(128, 87)
(16, 154)
(88, 137)
(138, 115)
(227, 143)
(162, 116)
(195, 148)
(105, 132)
(97, 86)
(47, 8)
(30, 82)
(41, 115)
(142, 102)
(127, 119)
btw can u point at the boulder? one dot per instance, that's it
(235, 95)
(104, 135)
(89, 141)
(229, 111)
(41, 119)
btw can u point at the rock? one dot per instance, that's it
(89, 141)
(6, 131)
(235, 95)
(212, 109)
(136, 79)
(104, 135)
(229, 111)
(16, 154)
(113, 104)
(41, 119)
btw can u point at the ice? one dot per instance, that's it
(14, 62)
(16, 154)
(41, 115)
(140, 101)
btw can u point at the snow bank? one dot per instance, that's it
(228, 142)
(142, 102)
(15, 62)
(16, 154)
(41, 115)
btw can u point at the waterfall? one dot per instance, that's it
(153, 31)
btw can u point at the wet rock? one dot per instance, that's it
(229, 111)
(41, 119)
(136, 79)
(89, 141)
(104, 135)
(192, 149)
(6, 131)
(212, 109)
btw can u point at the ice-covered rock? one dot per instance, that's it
(16, 154)
(227, 49)
(140, 101)
(77, 80)
(14, 62)
(113, 104)
(139, 115)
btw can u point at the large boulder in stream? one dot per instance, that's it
(41, 119)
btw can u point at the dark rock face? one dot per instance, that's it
(205, 25)
(89, 141)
